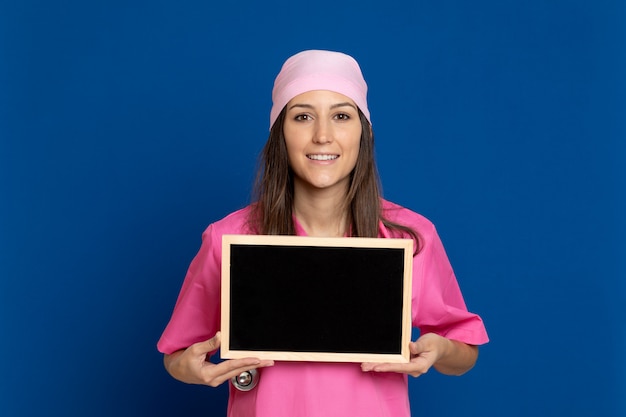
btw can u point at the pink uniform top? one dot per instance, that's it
(310, 389)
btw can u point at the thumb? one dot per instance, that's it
(211, 344)
(416, 347)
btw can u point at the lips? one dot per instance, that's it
(322, 157)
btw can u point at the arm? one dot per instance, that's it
(192, 366)
(447, 356)
(457, 357)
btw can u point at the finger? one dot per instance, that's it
(247, 363)
(226, 370)
(383, 367)
(412, 369)
(387, 367)
(368, 366)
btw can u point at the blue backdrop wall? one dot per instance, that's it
(127, 126)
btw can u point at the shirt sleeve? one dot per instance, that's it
(438, 304)
(196, 315)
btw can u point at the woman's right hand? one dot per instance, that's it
(192, 366)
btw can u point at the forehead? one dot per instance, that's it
(321, 98)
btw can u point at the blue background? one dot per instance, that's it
(127, 126)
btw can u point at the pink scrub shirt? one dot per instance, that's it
(309, 389)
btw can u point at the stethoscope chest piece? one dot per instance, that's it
(246, 380)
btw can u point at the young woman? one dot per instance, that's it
(319, 178)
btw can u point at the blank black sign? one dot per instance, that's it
(286, 298)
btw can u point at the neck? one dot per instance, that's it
(321, 212)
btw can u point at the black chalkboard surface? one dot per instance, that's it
(316, 299)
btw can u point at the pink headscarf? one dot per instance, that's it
(319, 70)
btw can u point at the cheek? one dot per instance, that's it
(355, 148)
(293, 140)
(353, 158)
(289, 143)
(292, 149)
(294, 155)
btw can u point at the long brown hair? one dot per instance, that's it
(272, 212)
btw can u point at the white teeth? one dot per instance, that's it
(323, 157)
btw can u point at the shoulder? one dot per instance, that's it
(407, 217)
(234, 223)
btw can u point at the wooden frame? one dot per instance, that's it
(316, 299)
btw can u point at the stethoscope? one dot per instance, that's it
(246, 380)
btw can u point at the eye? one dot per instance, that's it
(302, 117)
(342, 116)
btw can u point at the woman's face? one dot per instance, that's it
(322, 133)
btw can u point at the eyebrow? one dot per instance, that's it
(334, 106)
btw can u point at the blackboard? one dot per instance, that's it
(316, 299)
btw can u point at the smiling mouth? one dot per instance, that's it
(322, 157)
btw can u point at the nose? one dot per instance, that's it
(323, 132)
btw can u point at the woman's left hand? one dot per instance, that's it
(447, 356)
